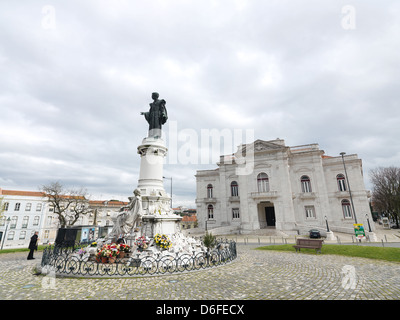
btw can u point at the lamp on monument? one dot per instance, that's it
(348, 184)
(5, 232)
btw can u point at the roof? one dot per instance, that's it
(191, 218)
(32, 194)
(22, 193)
(107, 203)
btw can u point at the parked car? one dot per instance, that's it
(314, 233)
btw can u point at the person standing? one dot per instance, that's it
(33, 245)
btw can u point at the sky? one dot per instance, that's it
(75, 75)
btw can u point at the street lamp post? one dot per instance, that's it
(369, 226)
(171, 188)
(5, 232)
(327, 226)
(348, 184)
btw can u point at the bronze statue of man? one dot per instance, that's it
(156, 116)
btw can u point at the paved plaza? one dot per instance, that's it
(254, 275)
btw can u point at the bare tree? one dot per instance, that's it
(69, 205)
(386, 191)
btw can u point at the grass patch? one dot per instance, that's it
(380, 253)
(40, 248)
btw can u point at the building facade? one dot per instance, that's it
(25, 212)
(267, 184)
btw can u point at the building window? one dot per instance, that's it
(263, 182)
(346, 209)
(235, 213)
(17, 206)
(14, 221)
(49, 220)
(5, 207)
(36, 221)
(209, 191)
(310, 212)
(210, 210)
(46, 234)
(39, 207)
(234, 189)
(341, 182)
(10, 235)
(305, 184)
(25, 222)
(22, 235)
(28, 206)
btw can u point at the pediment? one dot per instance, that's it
(261, 146)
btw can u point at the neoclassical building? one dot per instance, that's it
(267, 184)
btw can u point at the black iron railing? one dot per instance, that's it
(64, 260)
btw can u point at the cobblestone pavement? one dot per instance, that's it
(254, 275)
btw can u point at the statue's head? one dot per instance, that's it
(155, 95)
(136, 192)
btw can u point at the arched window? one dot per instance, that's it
(234, 189)
(210, 191)
(210, 211)
(346, 209)
(262, 182)
(305, 184)
(341, 182)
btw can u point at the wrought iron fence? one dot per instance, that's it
(64, 260)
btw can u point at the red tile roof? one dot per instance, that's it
(21, 193)
(192, 218)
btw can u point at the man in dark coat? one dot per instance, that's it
(33, 245)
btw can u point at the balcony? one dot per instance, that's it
(234, 199)
(307, 195)
(264, 195)
(210, 200)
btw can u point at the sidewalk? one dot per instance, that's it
(254, 275)
(388, 237)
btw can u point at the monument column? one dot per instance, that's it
(157, 217)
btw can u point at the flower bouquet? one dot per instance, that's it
(162, 241)
(102, 255)
(123, 249)
(108, 251)
(141, 243)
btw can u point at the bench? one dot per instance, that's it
(309, 244)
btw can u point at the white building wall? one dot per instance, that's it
(46, 224)
(284, 166)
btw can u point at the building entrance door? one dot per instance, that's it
(270, 216)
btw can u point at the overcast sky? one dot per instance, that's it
(75, 75)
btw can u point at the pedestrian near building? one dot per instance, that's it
(33, 245)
